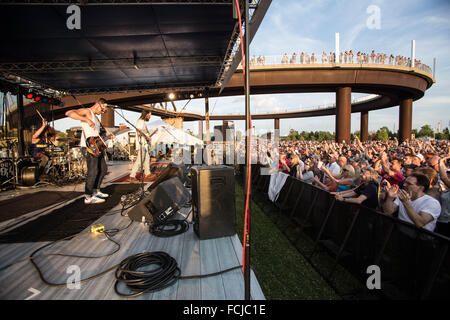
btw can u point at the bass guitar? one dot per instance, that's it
(95, 146)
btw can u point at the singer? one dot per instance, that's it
(93, 148)
(143, 146)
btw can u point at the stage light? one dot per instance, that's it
(171, 96)
(37, 98)
(191, 96)
(30, 95)
(200, 95)
(44, 99)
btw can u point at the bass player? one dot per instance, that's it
(93, 148)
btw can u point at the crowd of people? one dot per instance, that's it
(346, 57)
(410, 179)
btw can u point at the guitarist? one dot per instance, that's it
(143, 143)
(92, 146)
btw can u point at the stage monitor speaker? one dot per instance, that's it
(162, 202)
(213, 201)
(171, 170)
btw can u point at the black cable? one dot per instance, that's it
(169, 228)
(165, 275)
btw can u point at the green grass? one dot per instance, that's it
(282, 272)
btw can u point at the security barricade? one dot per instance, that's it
(413, 262)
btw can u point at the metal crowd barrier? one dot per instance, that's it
(413, 262)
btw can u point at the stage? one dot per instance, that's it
(21, 281)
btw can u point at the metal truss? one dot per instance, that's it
(116, 2)
(107, 64)
(162, 88)
(232, 56)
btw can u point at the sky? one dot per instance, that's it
(310, 26)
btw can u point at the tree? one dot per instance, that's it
(444, 135)
(382, 134)
(426, 131)
(293, 135)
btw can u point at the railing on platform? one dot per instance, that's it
(326, 59)
(414, 263)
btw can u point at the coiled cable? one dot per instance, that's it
(144, 281)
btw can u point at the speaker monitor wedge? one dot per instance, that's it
(163, 202)
(213, 201)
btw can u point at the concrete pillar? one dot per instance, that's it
(277, 124)
(405, 120)
(200, 129)
(343, 114)
(107, 118)
(224, 139)
(364, 129)
(208, 138)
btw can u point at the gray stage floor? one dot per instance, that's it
(194, 257)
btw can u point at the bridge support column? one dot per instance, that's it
(364, 129)
(277, 124)
(405, 120)
(343, 114)
(208, 138)
(107, 118)
(200, 129)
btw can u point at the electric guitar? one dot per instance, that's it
(95, 146)
(148, 137)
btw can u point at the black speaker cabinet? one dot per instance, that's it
(213, 201)
(162, 202)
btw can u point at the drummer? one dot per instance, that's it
(42, 139)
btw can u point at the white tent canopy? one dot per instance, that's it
(166, 134)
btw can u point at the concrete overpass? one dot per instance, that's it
(394, 85)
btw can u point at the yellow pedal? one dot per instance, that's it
(98, 228)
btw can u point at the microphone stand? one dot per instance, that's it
(114, 107)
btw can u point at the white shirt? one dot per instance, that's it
(334, 169)
(424, 204)
(140, 124)
(88, 131)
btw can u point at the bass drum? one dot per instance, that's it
(29, 175)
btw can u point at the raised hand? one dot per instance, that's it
(392, 191)
(403, 196)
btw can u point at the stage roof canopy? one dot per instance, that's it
(131, 45)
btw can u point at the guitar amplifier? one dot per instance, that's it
(213, 201)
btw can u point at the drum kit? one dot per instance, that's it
(65, 165)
